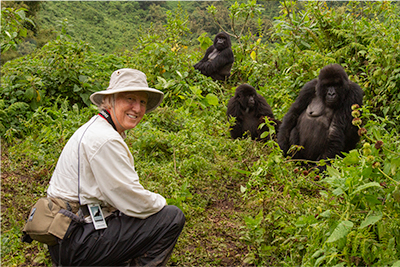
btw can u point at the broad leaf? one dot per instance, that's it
(212, 99)
(371, 219)
(365, 186)
(340, 231)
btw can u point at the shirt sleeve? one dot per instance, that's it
(113, 169)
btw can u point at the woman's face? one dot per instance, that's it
(129, 109)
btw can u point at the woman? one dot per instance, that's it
(96, 169)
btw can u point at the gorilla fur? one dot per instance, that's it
(250, 110)
(218, 60)
(320, 119)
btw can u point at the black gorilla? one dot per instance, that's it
(320, 119)
(218, 60)
(249, 109)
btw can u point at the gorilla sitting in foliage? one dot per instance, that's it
(250, 110)
(320, 119)
(218, 60)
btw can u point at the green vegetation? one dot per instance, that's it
(245, 203)
(116, 25)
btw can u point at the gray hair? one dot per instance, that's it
(107, 102)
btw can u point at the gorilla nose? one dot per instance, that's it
(331, 91)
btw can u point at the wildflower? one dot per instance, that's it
(378, 144)
(370, 158)
(366, 149)
(355, 113)
(356, 122)
(366, 145)
(376, 165)
(362, 131)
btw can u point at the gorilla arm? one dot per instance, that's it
(200, 65)
(306, 94)
(235, 111)
(263, 108)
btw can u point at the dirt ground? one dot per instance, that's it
(210, 238)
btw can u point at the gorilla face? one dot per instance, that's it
(333, 85)
(222, 41)
(247, 97)
(331, 96)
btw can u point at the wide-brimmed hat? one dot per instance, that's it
(129, 80)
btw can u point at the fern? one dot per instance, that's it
(17, 107)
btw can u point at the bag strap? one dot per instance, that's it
(71, 215)
(79, 157)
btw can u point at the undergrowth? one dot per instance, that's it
(245, 203)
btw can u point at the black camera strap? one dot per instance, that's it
(106, 115)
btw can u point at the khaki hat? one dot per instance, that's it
(129, 80)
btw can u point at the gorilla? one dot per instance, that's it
(250, 109)
(320, 119)
(218, 60)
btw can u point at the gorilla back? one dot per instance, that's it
(218, 59)
(320, 119)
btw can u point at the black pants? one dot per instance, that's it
(140, 242)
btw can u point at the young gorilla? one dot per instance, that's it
(249, 109)
(320, 119)
(218, 60)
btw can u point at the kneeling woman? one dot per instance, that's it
(129, 224)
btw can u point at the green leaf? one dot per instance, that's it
(340, 231)
(253, 223)
(338, 191)
(212, 99)
(352, 157)
(396, 264)
(83, 78)
(305, 220)
(264, 135)
(365, 186)
(317, 253)
(77, 88)
(242, 171)
(333, 172)
(372, 199)
(370, 220)
(326, 214)
(319, 260)
(30, 93)
(242, 189)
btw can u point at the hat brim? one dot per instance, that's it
(154, 100)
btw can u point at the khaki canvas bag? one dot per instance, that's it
(50, 218)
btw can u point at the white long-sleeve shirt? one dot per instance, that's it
(106, 172)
